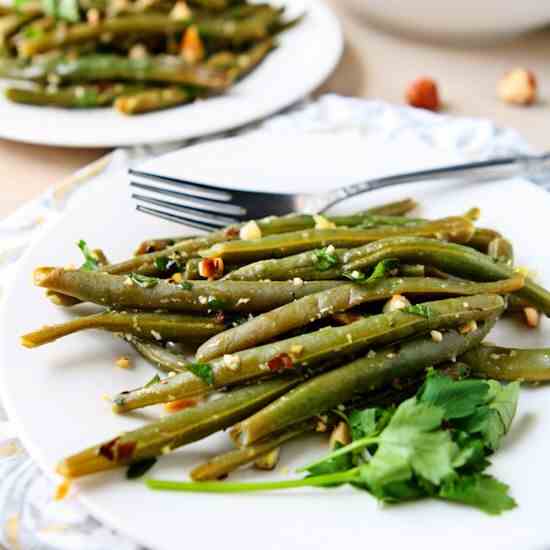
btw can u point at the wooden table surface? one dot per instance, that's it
(376, 64)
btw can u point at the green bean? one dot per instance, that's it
(457, 229)
(364, 375)
(268, 326)
(397, 208)
(222, 465)
(158, 356)
(175, 430)
(161, 68)
(501, 250)
(151, 326)
(153, 99)
(122, 291)
(452, 258)
(529, 365)
(75, 97)
(313, 350)
(482, 238)
(82, 32)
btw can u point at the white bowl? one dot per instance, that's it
(482, 19)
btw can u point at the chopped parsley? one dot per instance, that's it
(185, 285)
(381, 270)
(153, 381)
(143, 281)
(203, 370)
(421, 310)
(215, 303)
(91, 263)
(325, 258)
(161, 263)
(434, 444)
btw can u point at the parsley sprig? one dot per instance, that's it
(381, 270)
(91, 262)
(434, 444)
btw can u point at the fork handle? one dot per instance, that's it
(531, 166)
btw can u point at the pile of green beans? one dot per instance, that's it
(269, 337)
(136, 56)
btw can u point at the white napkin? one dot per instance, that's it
(29, 517)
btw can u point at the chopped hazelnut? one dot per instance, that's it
(211, 268)
(250, 231)
(192, 48)
(123, 362)
(436, 336)
(422, 93)
(518, 87)
(179, 405)
(62, 490)
(340, 434)
(470, 326)
(397, 301)
(532, 317)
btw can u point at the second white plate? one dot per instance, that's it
(307, 54)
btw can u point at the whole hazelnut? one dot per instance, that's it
(422, 93)
(518, 87)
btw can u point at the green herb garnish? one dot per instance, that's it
(419, 309)
(381, 270)
(143, 280)
(434, 444)
(138, 469)
(161, 263)
(91, 263)
(67, 10)
(186, 285)
(215, 303)
(325, 258)
(154, 380)
(203, 370)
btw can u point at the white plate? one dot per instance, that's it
(305, 57)
(54, 393)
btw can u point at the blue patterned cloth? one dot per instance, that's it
(30, 519)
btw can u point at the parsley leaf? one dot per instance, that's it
(367, 422)
(479, 490)
(411, 445)
(215, 303)
(91, 263)
(143, 280)
(492, 421)
(138, 469)
(203, 370)
(161, 263)
(381, 270)
(457, 399)
(186, 285)
(154, 380)
(421, 310)
(325, 258)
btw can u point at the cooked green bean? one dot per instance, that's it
(488, 361)
(152, 99)
(450, 257)
(175, 430)
(158, 356)
(482, 238)
(151, 326)
(222, 465)
(127, 291)
(74, 97)
(364, 375)
(268, 326)
(397, 208)
(313, 350)
(456, 229)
